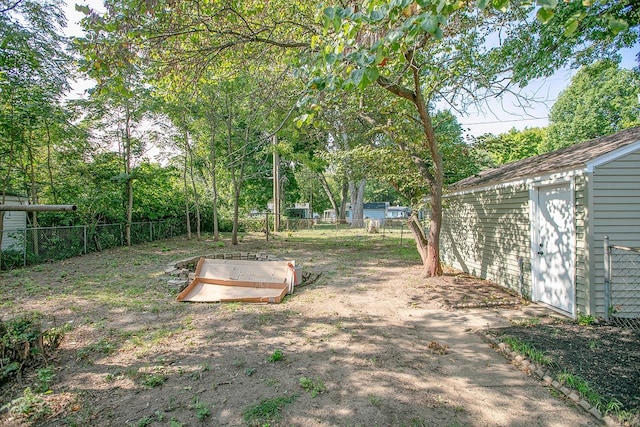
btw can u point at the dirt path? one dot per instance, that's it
(366, 345)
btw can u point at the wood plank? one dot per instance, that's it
(203, 292)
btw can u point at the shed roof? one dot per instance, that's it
(568, 158)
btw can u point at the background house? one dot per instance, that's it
(537, 225)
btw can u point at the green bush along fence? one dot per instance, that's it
(43, 244)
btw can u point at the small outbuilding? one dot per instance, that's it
(537, 226)
(14, 224)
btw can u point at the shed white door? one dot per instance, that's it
(553, 247)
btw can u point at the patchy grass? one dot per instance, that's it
(267, 411)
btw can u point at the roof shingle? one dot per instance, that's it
(567, 158)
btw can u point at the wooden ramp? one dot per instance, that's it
(226, 280)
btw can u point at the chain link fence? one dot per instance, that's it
(43, 244)
(622, 285)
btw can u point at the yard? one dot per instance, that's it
(368, 343)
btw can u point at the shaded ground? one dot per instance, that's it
(369, 343)
(606, 357)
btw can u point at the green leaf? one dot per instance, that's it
(544, 15)
(330, 58)
(587, 3)
(356, 76)
(344, 12)
(548, 4)
(481, 4)
(394, 36)
(330, 12)
(618, 25)
(438, 34)
(371, 74)
(501, 5)
(376, 15)
(337, 23)
(430, 24)
(571, 27)
(83, 9)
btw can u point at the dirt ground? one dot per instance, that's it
(369, 343)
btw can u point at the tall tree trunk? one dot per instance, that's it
(49, 166)
(214, 186)
(344, 192)
(186, 197)
(430, 250)
(356, 189)
(329, 193)
(196, 198)
(128, 161)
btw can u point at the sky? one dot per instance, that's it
(499, 115)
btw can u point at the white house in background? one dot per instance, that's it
(13, 225)
(537, 225)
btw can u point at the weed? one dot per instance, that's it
(153, 380)
(594, 345)
(315, 387)
(44, 378)
(238, 362)
(267, 411)
(175, 423)
(527, 350)
(586, 319)
(103, 346)
(533, 321)
(276, 356)
(30, 405)
(582, 387)
(375, 400)
(202, 409)
(144, 421)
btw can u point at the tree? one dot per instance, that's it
(423, 51)
(33, 78)
(513, 145)
(420, 52)
(601, 99)
(120, 97)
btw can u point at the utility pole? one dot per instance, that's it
(276, 185)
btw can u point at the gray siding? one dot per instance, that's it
(616, 213)
(487, 234)
(12, 240)
(581, 209)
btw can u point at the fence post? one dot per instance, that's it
(24, 249)
(151, 231)
(84, 232)
(607, 277)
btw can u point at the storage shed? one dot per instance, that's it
(536, 226)
(14, 224)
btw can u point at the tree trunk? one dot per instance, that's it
(236, 213)
(214, 185)
(342, 215)
(186, 197)
(127, 170)
(196, 198)
(327, 190)
(429, 249)
(357, 203)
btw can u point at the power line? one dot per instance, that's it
(504, 121)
